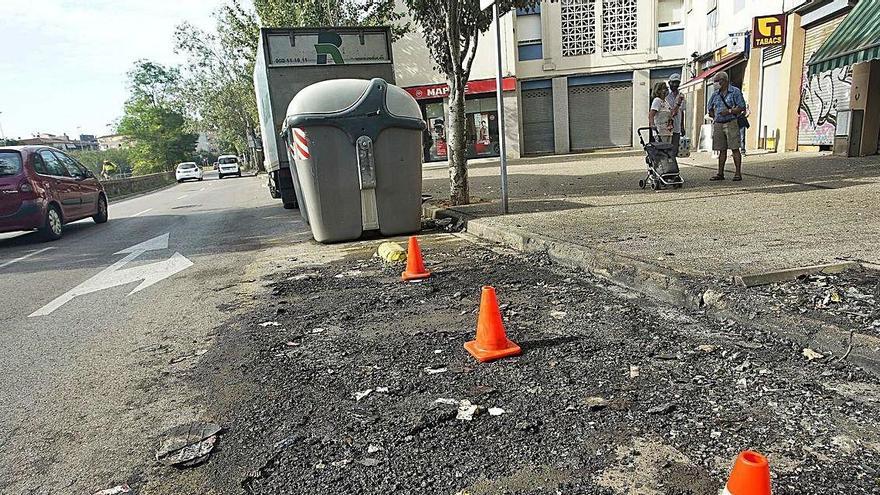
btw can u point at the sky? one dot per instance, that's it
(63, 62)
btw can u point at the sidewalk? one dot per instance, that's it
(791, 210)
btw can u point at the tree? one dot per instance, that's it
(154, 119)
(452, 30)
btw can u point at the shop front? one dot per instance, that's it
(481, 118)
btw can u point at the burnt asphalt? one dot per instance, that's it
(685, 394)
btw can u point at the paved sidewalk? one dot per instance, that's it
(790, 210)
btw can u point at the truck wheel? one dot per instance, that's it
(290, 206)
(273, 192)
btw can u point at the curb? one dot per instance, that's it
(691, 291)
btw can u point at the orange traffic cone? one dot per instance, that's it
(415, 266)
(492, 342)
(750, 475)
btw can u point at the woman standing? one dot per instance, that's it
(660, 116)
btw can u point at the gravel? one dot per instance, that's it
(577, 418)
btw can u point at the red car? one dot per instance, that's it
(42, 189)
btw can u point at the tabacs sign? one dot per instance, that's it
(768, 30)
(328, 48)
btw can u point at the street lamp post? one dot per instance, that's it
(499, 94)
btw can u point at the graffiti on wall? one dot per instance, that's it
(822, 95)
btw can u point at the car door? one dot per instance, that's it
(88, 186)
(66, 187)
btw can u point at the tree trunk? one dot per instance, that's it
(457, 145)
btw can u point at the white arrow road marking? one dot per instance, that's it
(114, 275)
(22, 258)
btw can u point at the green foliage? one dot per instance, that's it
(121, 157)
(154, 119)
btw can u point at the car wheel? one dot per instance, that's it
(219, 176)
(53, 225)
(179, 181)
(102, 215)
(200, 179)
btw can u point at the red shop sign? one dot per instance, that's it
(441, 90)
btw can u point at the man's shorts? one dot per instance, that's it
(725, 136)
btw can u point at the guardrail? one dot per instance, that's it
(120, 188)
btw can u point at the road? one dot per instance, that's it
(86, 387)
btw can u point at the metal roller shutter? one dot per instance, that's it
(537, 119)
(600, 115)
(824, 94)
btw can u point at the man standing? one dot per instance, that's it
(675, 100)
(725, 105)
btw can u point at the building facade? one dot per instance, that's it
(577, 77)
(790, 107)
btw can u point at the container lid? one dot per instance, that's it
(357, 106)
(336, 95)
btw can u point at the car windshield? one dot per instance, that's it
(10, 163)
(186, 165)
(227, 161)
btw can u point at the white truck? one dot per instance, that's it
(288, 60)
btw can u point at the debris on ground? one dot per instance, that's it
(850, 299)
(595, 403)
(391, 252)
(188, 445)
(270, 324)
(558, 315)
(689, 397)
(496, 411)
(116, 490)
(811, 354)
(363, 394)
(467, 411)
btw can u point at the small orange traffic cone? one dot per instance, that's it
(750, 475)
(415, 266)
(492, 342)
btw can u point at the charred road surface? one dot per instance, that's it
(334, 386)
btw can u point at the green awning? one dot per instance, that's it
(857, 39)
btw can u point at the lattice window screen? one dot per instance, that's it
(619, 25)
(578, 27)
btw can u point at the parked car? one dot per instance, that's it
(42, 189)
(188, 170)
(228, 165)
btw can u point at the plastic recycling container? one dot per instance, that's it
(356, 146)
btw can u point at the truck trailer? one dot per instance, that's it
(288, 60)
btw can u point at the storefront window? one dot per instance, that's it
(435, 135)
(481, 129)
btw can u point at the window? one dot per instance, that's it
(668, 13)
(72, 167)
(619, 25)
(528, 34)
(53, 165)
(228, 160)
(670, 37)
(40, 165)
(10, 163)
(578, 27)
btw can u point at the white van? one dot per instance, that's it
(228, 165)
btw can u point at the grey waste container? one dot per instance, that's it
(357, 149)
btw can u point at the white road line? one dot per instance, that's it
(202, 189)
(141, 213)
(185, 195)
(16, 260)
